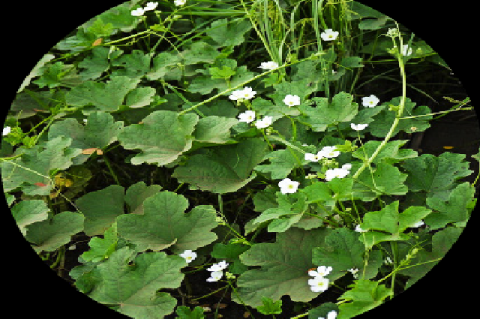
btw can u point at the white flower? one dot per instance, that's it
(248, 93)
(354, 272)
(331, 315)
(329, 152)
(218, 266)
(287, 186)
(265, 122)
(6, 130)
(236, 95)
(215, 276)
(247, 116)
(179, 2)
(270, 65)
(189, 256)
(336, 173)
(291, 100)
(318, 284)
(418, 224)
(150, 6)
(370, 101)
(358, 127)
(388, 261)
(313, 157)
(347, 166)
(321, 271)
(137, 12)
(406, 50)
(359, 229)
(329, 35)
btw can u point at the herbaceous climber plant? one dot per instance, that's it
(247, 152)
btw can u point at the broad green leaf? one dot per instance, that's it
(206, 84)
(120, 17)
(95, 64)
(131, 284)
(269, 307)
(140, 97)
(228, 33)
(343, 251)
(382, 122)
(184, 312)
(136, 195)
(363, 296)
(104, 96)
(384, 179)
(282, 162)
(454, 209)
(55, 75)
(322, 311)
(388, 224)
(200, 52)
(164, 224)
(214, 129)
(425, 259)
(29, 212)
(231, 253)
(101, 248)
(165, 64)
(162, 137)
(32, 169)
(51, 234)
(283, 268)
(390, 153)
(341, 109)
(133, 65)
(100, 208)
(434, 175)
(223, 169)
(36, 71)
(100, 131)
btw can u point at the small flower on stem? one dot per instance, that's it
(358, 127)
(150, 6)
(188, 255)
(215, 276)
(270, 65)
(291, 100)
(370, 101)
(287, 186)
(329, 152)
(329, 35)
(179, 3)
(137, 12)
(247, 116)
(265, 122)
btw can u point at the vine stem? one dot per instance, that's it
(398, 116)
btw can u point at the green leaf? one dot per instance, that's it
(425, 260)
(269, 307)
(162, 137)
(388, 224)
(104, 96)
(132, 284)
(206, 84)
(200, 52)
(120, 17)
(100, 131)
(214, 129)
(434, 175)
(231, 253)
(134, 65)
(184, 312)
(140, 97)
(454, 209)
(32, 169)
(282, 162)
(28, 212)
(364, 296)
(165, 65)
(228, 33)
(164, 224)
(322, 311)
(343, 251)
(390, 153)
(95, 64)
(341, 109)
(51, 234)
(54, 75)
(136, 195)
(100, 208)
(223, 169)
(385, 179)
(382, 122)
(101, 248)
(36, 71)
(283, 268)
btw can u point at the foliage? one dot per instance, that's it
(222, 131)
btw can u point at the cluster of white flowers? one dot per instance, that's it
(245, 94)
(188, 255)
(150, 6)
(217, 271)
(338, 172)
(331, 315)
(6, 130)
(319, 283)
